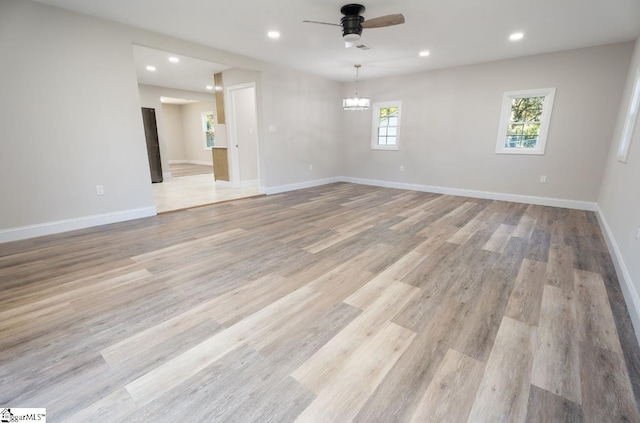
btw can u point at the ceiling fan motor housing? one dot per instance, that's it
(352, 21)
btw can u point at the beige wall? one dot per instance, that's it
(305, 113)
(450, 121)
(192, 131)
(173, 128)
(619, 200)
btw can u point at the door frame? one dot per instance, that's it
(232, 134)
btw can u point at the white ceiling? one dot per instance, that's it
(456, 32)
(188, 74)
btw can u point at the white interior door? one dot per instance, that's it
(243, 131)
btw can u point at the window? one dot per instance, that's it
(524, 121)
(208, 134)
(630, 120)
(386, 126)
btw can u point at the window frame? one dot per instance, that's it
(375, 120)
(545, 120)
(203, 122)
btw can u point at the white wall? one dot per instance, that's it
(173, 128)
(450, 122)
(70, 119)
(619, 202)
(231, 77)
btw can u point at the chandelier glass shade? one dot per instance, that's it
(356, 102)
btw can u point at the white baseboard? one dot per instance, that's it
(300, 185)
(527, 199)
(48, 228)
(195, 162)
(629, 291)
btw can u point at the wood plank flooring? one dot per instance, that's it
(341, 303)
(187, 169)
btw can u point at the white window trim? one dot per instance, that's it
(376, 119)
(545, 120)
(630, 120)
(204, 128)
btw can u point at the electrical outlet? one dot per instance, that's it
(543, 179)
(100, 189)
(310, 167)
(638, 233)
(401, 168)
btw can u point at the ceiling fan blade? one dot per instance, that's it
(382, 21)
(322, 23)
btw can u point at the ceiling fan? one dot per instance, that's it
(353, 22)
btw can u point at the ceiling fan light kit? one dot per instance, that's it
(356, 102)
(352, 23)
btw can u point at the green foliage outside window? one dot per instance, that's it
(209, 129)
(387, 128)
(524, 123)
(386, 112)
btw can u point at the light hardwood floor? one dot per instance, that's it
(187, 169)
(333, 304)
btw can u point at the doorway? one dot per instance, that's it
(242, 126)
(191, 131)
(184, 140)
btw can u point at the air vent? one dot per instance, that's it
(363, 47)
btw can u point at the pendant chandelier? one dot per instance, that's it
(356, 103)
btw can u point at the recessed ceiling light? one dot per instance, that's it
(516, 36)
(424, 53)
(151, 68)
(218, 88)
(174, 59)
(273, 34)
(209, 87)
